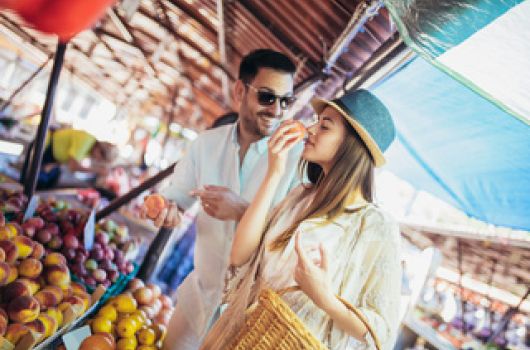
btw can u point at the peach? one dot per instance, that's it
(38, 251)
(57, 291)
(37, 326)
(5, 271)
(134, 284)
(2, 254)
(50, 324)
(16, 289)
(54, 259)
(25, 246)
(166, 301)
(4, 320)
(78, 288)
(144, 296)
(23, 309)
(14, 228)
(33, 284)
(58, 275)
(154, 205)
(155, 289)
(85, 297)
(75, 301)
(31, 268)
(157, 306)
(11, 251)
(46, 299)
(13, 274)
(67, 291)
(5, 233)
(56, 314)
(15, 332)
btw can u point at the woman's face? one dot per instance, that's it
(324, 139)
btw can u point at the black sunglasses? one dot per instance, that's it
(267, 98)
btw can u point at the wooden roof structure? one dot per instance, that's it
(177, 58)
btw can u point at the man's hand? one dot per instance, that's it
(221, 203)
(169, 217)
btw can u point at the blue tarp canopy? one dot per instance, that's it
(457, 145)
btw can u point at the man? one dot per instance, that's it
(223, 168)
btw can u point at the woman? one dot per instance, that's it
(326, 237)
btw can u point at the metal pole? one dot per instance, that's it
(31, 182)
(24, 84)
(153, 253)
(135, 192)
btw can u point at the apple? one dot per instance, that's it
(69, 253)
(52, 227)
(91, 264)
(71, 241)
(44, 236)
(79, 257)
(99, 275)
(97, 254)
(55, 243)
(102, 238)
(113, 275)
(90, 281)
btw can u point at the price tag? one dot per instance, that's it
(90, 231)
(32, 206)
(72, 340)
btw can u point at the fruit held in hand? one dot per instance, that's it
(299, 129)
(154, 204)
(23, 309)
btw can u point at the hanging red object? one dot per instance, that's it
(65, 18)
(22, 6)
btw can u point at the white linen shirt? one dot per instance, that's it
(213, 159)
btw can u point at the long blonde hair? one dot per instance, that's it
(352, 169)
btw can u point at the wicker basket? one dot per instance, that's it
(271, 324)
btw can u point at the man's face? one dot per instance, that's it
(257, 117)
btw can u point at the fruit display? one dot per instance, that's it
(135, 319)
(36, 292)
(59, 228)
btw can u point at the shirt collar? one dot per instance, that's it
(261, 145)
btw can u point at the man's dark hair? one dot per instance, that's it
(264, 58)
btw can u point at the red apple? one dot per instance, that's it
(71, 241)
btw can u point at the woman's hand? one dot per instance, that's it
(279, 144)
(312, 275)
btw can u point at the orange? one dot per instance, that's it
(101, 325)
(125, 303)
(126, 327)
(129, 343)
(109, 312)
(147, 336)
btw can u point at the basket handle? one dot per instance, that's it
(350, 307)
